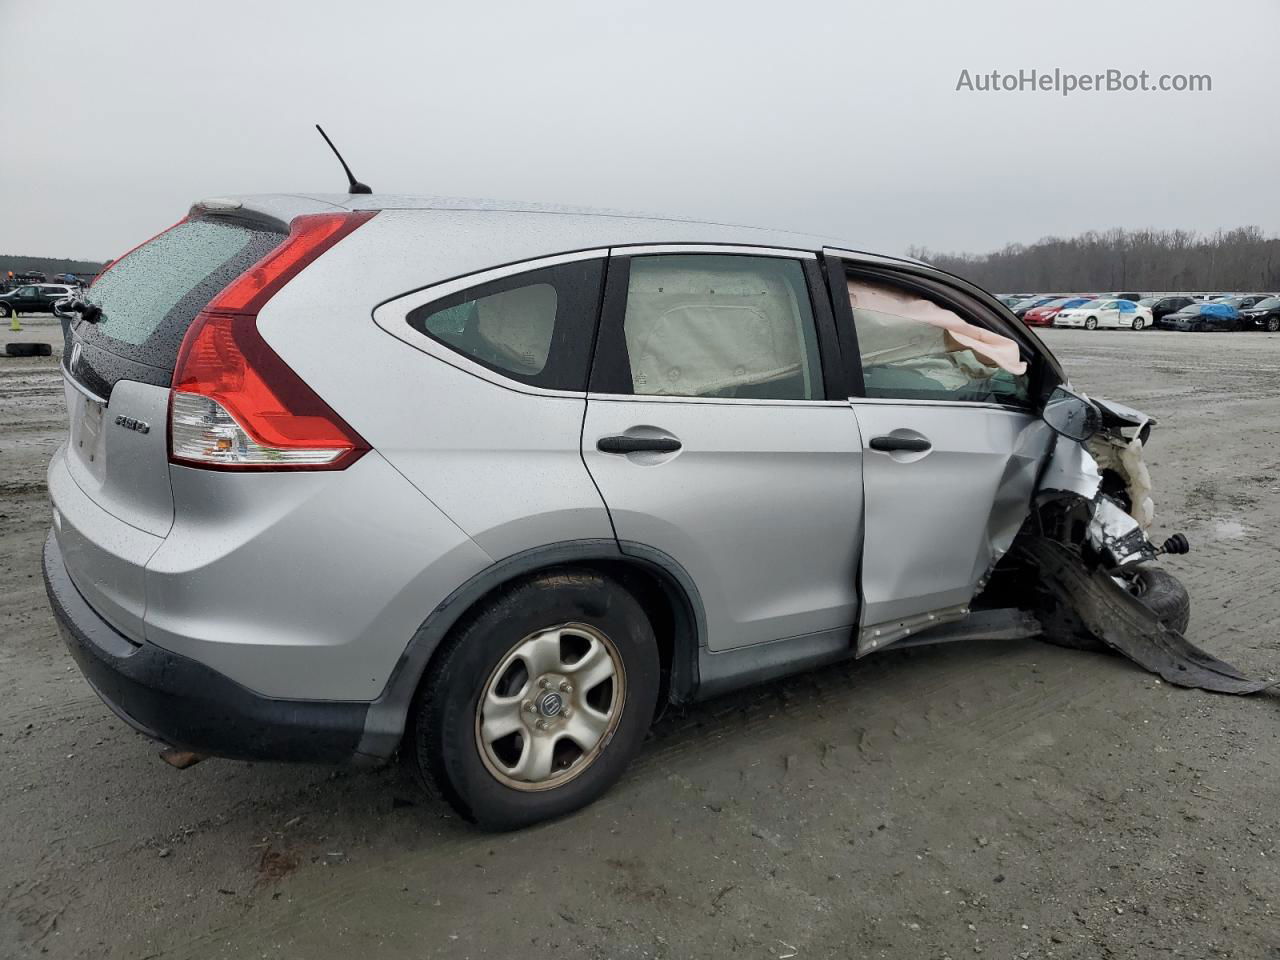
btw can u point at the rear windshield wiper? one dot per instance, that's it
(89, 312)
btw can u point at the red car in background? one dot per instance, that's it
(1042, 316)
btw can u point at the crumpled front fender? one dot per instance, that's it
(1117, 448)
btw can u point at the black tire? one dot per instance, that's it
(441, 740)
(1139, 324)
(28, 349)
(1163, 594)
(1091, 323)
(6, 311)
(1273, 324)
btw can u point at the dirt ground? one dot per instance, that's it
(1004, 799)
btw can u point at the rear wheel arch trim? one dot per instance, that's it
(386, 720)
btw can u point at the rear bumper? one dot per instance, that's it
(186, 704)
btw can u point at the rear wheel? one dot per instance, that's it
(1091, 323)
(539, 701)
(1273, 324)
(1139, 323)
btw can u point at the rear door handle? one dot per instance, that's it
(888, 444)
(626, 444)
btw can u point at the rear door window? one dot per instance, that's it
(717, 326)
(150, 297)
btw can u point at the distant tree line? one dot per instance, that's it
(46, 265)
(1243, 259)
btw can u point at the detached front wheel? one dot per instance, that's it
(1156, 589)
(539, 701)
(1163, 594)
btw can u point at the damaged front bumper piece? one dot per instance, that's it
(1081, 571)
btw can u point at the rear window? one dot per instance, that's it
(150, 297)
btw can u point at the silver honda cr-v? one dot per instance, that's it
(489, 486)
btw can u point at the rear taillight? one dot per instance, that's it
(235, 404)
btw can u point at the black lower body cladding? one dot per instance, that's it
(186, 704)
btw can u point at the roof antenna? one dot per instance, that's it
(355, 185)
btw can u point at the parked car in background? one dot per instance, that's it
(1124, 295)
(1200, 317)
(1042, 316)
(33, 298)
(1160, 307)
(1245, 300)
(1105, 313)
(1011, 300)
(1263, 315)
(1031, 303)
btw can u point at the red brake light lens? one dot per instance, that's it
(309, 237)
(235, 404)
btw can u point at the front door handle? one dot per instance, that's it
(626, 444)
(890, 443)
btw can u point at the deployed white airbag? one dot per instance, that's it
(879, 307)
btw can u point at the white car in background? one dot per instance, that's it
(1120, 314)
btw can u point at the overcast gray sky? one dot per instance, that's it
(839, 118)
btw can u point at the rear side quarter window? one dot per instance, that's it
(536, 327)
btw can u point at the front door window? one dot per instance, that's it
(914, 349)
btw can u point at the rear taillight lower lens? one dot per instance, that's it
(235, 404)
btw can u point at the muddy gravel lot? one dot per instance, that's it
(1004, 799)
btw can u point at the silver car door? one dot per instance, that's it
(952, 450)
(717, 444)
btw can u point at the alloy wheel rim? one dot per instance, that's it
(550, 706)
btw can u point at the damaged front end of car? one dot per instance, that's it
(1083, 563)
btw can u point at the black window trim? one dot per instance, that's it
(611, 367)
